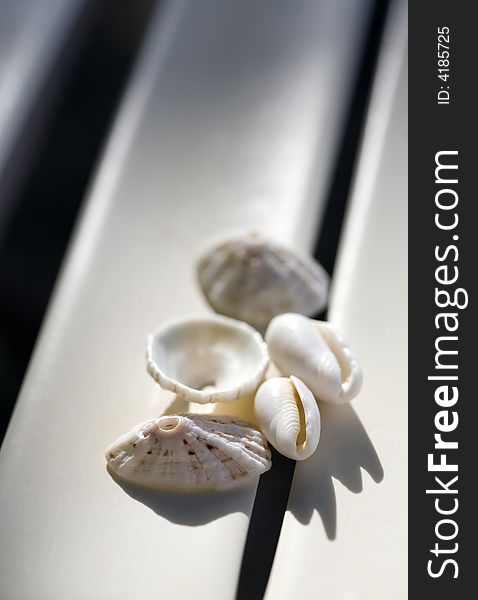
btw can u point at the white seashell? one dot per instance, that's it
(316, 353)
(288, 416)
(184, 452)
(207, 358)
(253, 279)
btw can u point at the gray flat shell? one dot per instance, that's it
(254, 279)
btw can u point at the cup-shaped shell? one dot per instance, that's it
(190, 452)
(316, 353)
(254, 279)
(288, 416)
(207, 358)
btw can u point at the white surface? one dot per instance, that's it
(345, 531)
(231, 120)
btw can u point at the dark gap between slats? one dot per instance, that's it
(274, 486)
(45, 209)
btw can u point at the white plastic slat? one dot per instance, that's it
(344, 535)
(34, 35)
(232, 119)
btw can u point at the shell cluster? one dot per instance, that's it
(210, 359)
(200, 359)
(319, 366)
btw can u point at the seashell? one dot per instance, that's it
(254, 279)
(185, 452)
(207, 358)
(316, 353)
(288, 416)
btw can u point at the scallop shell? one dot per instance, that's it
(207, 358)
(316, 353)
(288, 416)
(254, 279)
(187, 452)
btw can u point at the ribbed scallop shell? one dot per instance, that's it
(254, 279)
(186, 452)
(288, 416)
(316, 353)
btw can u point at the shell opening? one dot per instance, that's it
(337, 350)
(207, 384)
(209, 387)
(302, 435)
(169, 423)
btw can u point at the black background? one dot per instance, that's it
(433, 128)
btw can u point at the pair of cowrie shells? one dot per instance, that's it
(318, 365)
